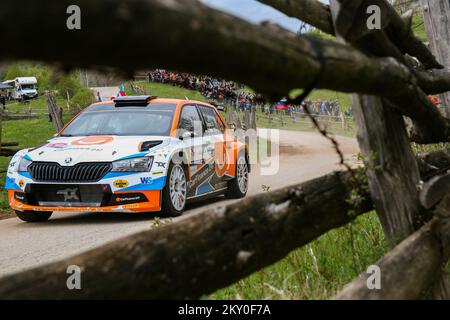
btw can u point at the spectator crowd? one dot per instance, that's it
(223, 91)
(234, 94)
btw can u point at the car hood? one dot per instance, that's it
(71, 151)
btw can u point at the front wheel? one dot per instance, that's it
(238, 187)
(174, 194)
(33, 216)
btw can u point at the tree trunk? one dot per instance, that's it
(437, 25)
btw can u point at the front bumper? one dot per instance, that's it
(96, 198)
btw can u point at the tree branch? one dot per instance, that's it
(353, 26)
(312, 12)
(169, 32)
(434, 81)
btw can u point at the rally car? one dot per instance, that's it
(133, 154)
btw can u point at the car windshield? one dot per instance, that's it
(154, 120)
(27, 86)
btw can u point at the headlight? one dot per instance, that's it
(23, 165)
(143, 164)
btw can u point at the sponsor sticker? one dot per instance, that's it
(121, 184)
(21, 183)
(89, 141)
(124, 199)
(146, 180)
(57, 145)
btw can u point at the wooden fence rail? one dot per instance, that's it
(201, 253)
(208, 251)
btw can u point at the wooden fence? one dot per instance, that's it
(205, 252)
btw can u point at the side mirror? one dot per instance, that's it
(187, 135)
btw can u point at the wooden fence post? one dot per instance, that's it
(253, 118)
(392, 170)
(54, 111)
(393, 173)
(437, 25)
(246, 119)
(236, 120)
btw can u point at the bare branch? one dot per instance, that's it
(312, 12)
(434, 81)
(352, 24)
(169, 32)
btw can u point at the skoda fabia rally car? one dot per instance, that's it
(133, 154)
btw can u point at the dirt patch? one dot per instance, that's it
(7, 214)
(291, 150)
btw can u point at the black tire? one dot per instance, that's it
(167, 207)
(33, 216)
(233, 190)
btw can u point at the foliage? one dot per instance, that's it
(53, 79)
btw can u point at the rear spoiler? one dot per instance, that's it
(133, 101)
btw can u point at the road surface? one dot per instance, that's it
(106, 92)
(303, 156)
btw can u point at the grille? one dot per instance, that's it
(83, 172)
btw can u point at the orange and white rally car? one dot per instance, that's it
(133, 154)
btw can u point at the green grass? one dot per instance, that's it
(418, 27)
(318, 270)
(168, 91)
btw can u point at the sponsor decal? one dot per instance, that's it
(78, 149)
(221, 159)
(161, 164)
(120, 199)
(146, 180)
(12, 164)
(21, 183)
(120, 184)
(57, 145)
(157, 172)
(68, 160)
(92, 141)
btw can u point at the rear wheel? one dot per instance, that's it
(238, 187)
(174, 194)
(33, 216)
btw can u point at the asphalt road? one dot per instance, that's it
(303, 156)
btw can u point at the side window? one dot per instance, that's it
(190, 120)
(210, 117)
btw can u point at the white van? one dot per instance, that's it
(23, 88)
